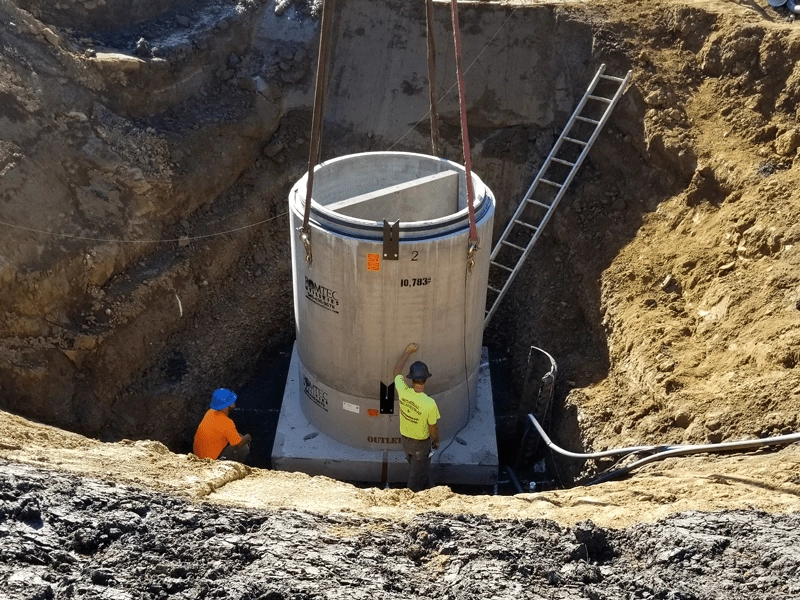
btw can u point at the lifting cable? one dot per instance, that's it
(462, 103)
(473, 242)
(328, 7)
(432, 77)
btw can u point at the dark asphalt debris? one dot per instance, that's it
(62, 536)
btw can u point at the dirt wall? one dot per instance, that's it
(101, 301)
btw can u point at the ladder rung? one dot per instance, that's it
(524, 224)
(497, 264)
(520, 248)
(563, 162)
(528, 197)
(537, 203)
(553, 183)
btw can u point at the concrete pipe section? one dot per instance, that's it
(389, 240)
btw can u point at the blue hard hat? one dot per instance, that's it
(222, 398)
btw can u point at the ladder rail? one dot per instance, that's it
(566, 130)
(548, 160)
(623, 83)
(512, 276)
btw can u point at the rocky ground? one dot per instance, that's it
(146, 150)
(63, 536)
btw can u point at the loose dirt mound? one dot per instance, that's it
(768, 481)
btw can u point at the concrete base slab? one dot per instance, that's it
(468, 458)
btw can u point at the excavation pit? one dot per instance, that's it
(145, 260)
(147, 257)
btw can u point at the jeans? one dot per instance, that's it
(417, 452)
(239, 454)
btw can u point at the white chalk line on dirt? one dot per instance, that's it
(159, 241)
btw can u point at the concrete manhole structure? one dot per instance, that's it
(387, 265)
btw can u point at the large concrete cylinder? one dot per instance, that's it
(357, 306)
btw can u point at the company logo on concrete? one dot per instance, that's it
(315, 394)
(322, 296)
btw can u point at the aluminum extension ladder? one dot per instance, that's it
(560, 167)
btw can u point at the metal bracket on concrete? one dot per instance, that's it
(391, 240)
(387, 399)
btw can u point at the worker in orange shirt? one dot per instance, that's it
(216, 435)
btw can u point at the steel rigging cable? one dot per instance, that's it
(328, 7)
(462, 102)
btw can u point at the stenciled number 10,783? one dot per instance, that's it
(415, 281)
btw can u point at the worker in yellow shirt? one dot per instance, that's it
(216, 435)
(419, 432)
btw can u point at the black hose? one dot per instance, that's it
(662, 452)
(698, 449)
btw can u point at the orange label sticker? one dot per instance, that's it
(372, 412)
(373, 262)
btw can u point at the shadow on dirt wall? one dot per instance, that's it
(555, 302)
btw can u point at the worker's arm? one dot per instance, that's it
(410, 349)
(245, 440)
(434, 431)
